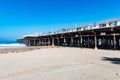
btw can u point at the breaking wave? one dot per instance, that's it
(12, 45)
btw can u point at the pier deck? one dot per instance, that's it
(102, 35)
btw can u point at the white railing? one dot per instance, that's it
(103, 24)
(108, 23)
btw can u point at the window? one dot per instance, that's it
(110, 23)
(102, 25)
(113, 23)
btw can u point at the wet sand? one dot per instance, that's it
(60, 64)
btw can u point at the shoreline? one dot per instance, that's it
(23, 49)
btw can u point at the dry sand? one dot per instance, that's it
(61, 64)
(23, 49)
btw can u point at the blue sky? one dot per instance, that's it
(20, 17)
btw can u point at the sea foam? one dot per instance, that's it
(12, 45)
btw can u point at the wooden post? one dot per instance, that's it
(114, 38)
(48, 41)
(45, 41)
(71, 39)
(81, 41)
(42, 42)
(64, 41)
(71, 44)
(29, 41)
(88, 42)
(34, 41)
(78, 41)
(58, 41)
(39, 43)
(95, 40)
(53, 41)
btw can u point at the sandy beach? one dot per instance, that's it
(23, 49)
(60, 64)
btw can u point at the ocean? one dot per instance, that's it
(11, 44)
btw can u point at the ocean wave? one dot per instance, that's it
(12, 45)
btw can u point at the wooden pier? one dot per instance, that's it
(102, 35)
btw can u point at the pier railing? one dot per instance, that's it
(99, 25)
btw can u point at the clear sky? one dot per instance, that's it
(20, 17)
